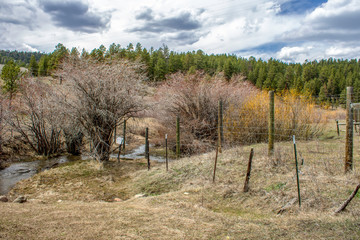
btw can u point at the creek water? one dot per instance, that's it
(23, 170)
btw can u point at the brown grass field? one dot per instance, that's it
(76, 200)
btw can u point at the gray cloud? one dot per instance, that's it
(332, 24)
(347, 20)
(184, 21)
(146, 14)
(17, 14)
(182, 28)
(184, 38)
(76, 16)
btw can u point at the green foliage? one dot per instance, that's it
(10, 75)
(311, 78)
(22, 59)
(33, 66)
(43, 66)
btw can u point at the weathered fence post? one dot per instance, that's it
(297, 172)
(115, 133)
(166, 153)
(147, 154)
(349, 131)
(119, 153)
(220, 125)
(124, 135)
(337, 127)
(216, 157)
(177, 137)
(271, 123)
(247, 179)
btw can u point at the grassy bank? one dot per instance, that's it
(75, 201)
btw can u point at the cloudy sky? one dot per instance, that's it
(288, 30)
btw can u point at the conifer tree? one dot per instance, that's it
(10, 74)
(33, 66)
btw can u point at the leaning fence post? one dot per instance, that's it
(337, 127)
(247, 179)
(216, 157)
(297, 172)
(220, 125)
(349, 131)
(147, 155)
(177, 137)
(271, 123)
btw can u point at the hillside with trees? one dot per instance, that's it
(325, 79)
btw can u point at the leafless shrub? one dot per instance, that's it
(36, 120)
(195, 99)
(73, 138)
(100, 96)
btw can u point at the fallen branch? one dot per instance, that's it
(344, 205)
(287, 206)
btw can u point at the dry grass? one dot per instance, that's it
(184, 203)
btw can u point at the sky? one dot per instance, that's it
(288, 30)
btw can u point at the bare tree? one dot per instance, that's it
(37, 120)
(100, 96)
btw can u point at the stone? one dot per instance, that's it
(3, 199)
(140, 195)
(118, 200)
(20, 199)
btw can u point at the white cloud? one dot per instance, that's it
(288, 53)
(29, 48)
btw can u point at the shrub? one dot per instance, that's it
(100, 96)
(294, 115)
(194, 98)
(37, 121)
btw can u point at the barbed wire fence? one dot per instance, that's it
(292, 116)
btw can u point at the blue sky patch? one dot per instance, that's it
(299, 6)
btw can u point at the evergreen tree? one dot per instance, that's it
(261, 77)
(74, 52)
(43, 66)
(33, 66)
(228, 69)
(10, 74)
(160, 70)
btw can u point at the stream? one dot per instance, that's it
(23, 170)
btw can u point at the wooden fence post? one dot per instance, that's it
(297, 172)
(220, 125)
(115, 132)
(216, 158)
(271, 123)
(147, 154)
(247, 179)
(349, 131)
(124, 135)
(177, 137)
(166, 153)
